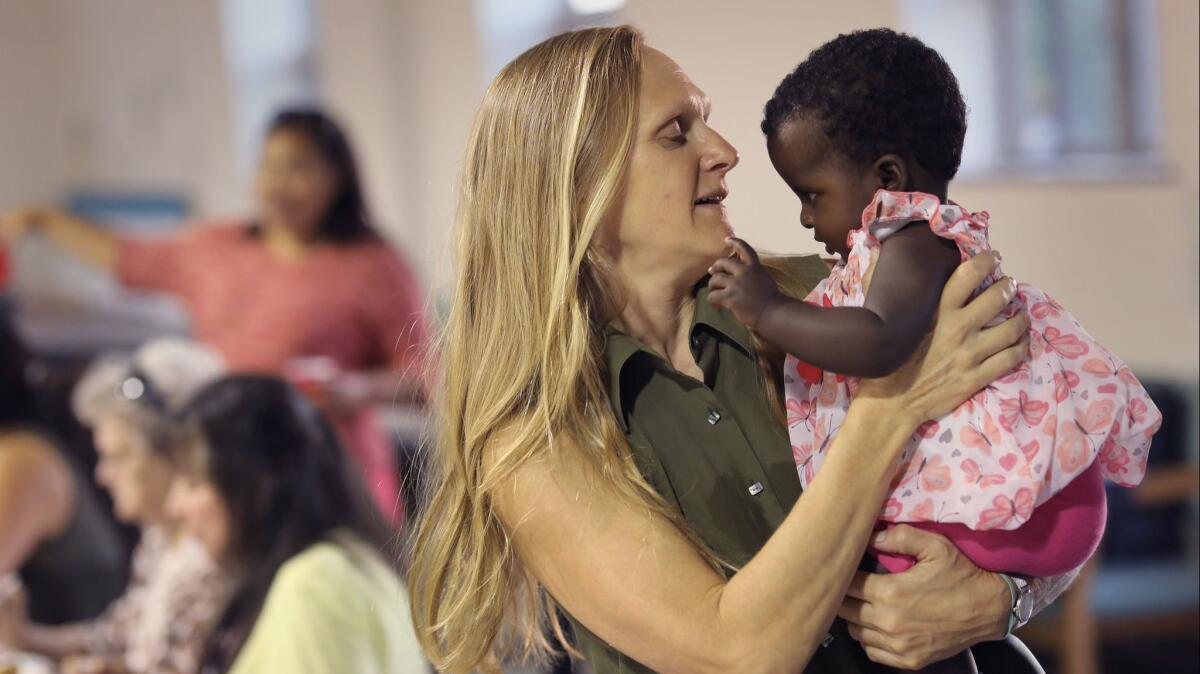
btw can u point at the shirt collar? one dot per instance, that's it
(620, 348)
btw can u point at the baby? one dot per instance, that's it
(868, 133)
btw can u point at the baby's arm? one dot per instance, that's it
(870, 341)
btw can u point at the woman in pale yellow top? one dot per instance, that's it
(265, 488)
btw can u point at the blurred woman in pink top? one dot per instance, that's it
(306, 288)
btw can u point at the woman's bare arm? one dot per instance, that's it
(640, 585)
(636, 582)
(82, 238)
(36, 497)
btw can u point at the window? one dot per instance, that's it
(270, 56)
(509, 27)
(1055, 88)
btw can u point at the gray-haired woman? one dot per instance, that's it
(161, 621)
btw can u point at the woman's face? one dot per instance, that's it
(136, 477)
(201, 513)
(672, 215)
(295, 185)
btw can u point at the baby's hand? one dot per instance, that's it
(739, 283)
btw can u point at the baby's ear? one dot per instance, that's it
(891, 172)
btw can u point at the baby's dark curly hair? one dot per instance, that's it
(878, 92)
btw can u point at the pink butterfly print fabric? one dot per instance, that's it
(1015, 444)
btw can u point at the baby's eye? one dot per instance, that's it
(808, 197)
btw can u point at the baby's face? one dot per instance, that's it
(833, 191)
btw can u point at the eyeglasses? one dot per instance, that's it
(136, 387)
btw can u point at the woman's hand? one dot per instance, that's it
(344, 395)
(17, 224)
(91, 664)
(959, 356)
(341, 393)
(941, 606)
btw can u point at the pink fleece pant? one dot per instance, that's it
(1060, 536)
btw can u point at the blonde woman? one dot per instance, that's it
(608, 444)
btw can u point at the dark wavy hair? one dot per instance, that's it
(286, 484)
(877, 92)
(347, 220)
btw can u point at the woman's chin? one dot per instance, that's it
(127, 514)
(292, 226)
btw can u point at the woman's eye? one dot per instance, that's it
(673, 134)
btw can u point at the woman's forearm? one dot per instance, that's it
(57, 641)
(789, 594)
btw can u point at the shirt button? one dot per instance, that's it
(713, 417)
(695, 341)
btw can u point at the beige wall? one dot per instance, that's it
(123, 94)
(30, 116)
(406, 77)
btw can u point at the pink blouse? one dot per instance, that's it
(359, 305)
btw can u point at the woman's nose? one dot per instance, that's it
(171, 504)
(721, 156)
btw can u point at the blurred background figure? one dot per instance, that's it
(140, 118)
(54, 534)
(320, 593)
(164, 616)
(304, 288)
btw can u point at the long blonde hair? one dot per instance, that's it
(522, 346)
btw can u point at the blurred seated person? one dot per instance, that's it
(263, 485)
(159, 625)
(304, 287)
(54, 534)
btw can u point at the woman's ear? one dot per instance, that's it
(891, 173)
